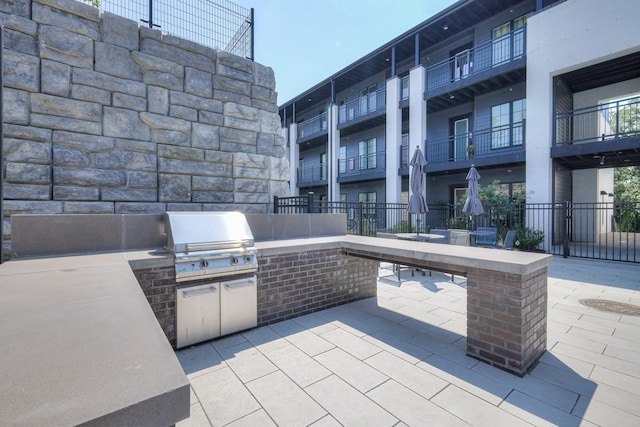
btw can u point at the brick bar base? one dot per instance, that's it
(507, 318)
(289, 285)
(299, 283)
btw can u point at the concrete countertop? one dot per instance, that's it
(81, 345)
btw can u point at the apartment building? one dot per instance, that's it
(538, 94)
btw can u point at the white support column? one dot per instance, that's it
(333, 152)
(393, 137)
(417, 111)
(294, 158)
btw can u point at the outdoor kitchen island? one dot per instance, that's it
(81, 343)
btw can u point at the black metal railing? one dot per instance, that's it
(482, 143)
(485, 56)
(362, 165)
(219, 24)
(604, 122)
(312, 175)
(607, 230)
(375, 102)
(312, 127)
(404, 88)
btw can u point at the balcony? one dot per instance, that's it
(497, 146)
(362, 168)
(364, 112)
(478, 70)
(604, 134)
(313, 129)
(404, 92)
(312, 176)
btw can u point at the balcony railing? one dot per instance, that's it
(404, 156)
(484, 143)
(605, 122)
(312, 175)
(485, 56)
(404, 89)
(362, 165)
(313, 127)
(375, 102)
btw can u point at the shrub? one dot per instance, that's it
(528, 239)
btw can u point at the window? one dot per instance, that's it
(342, 110)
(404, 150)
(462, 64)
(368, 100)
(370, 199)
(507, 124)
(367, 154)
(404, 88)
(502, 41)
(323, 166)
(342, 160)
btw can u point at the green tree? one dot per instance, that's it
(95, 3)
(626, 185)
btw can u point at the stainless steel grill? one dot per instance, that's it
(214, 246)
(210, 244)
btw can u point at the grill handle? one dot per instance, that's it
(196, 292)
(194, 247)
(237, 285)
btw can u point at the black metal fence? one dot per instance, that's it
(588, 230)
(219, 24)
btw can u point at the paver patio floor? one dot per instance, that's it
(399, 359)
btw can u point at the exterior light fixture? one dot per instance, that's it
(445, 27)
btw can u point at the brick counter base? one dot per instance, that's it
(289, 285)
(507, 318)
(295, 284)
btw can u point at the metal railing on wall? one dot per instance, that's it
(219, 24)
(607, 230)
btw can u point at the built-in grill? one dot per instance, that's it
(210, 244)
(215, 264)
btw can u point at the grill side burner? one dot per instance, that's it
(210, 244)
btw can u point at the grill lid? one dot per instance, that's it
(206, 231)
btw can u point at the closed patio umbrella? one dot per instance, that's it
(473, 205)
(417, 184)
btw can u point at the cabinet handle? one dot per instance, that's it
(209, 290)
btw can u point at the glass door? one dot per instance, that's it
(500, 36)
(461, 138)
(462, 65)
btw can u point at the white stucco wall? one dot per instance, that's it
(571, 35)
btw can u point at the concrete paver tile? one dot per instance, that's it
(264, 339)
(474, 410)
(228, 341)
(475, 383)
(347, 405)
(396, 345)
(298, 365)
(444, 349)
(310, 343)
(199, 360)
(197, 418)
(616, 379)
(215, 391)
(355, 372)
(603, 339)
(623, 354)
(247, 362)
(598, 359)
(604, 415)
(257, 418)
(564, 378)
(284, 401)
(407, 374)
(410, 407)
(567, 363)
(538, 413)
(326, 421)
(352, 344)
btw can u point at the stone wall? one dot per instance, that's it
(104, 116)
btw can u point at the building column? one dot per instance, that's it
(294, 158)
(333, 153)
(417, 111)
(393, 137)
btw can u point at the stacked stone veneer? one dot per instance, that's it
(104, 116)
(289, 285)
(507, 318)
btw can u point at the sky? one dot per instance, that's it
(307, 41)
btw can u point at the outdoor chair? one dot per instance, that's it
(441, 232)
(397, 267)
(509, 240)
(487, 237)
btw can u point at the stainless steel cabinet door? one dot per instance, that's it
(197, 313)
(238, 304)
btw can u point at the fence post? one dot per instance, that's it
(310, 202)
(360, 218)
(567, 224)
(275, 204)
